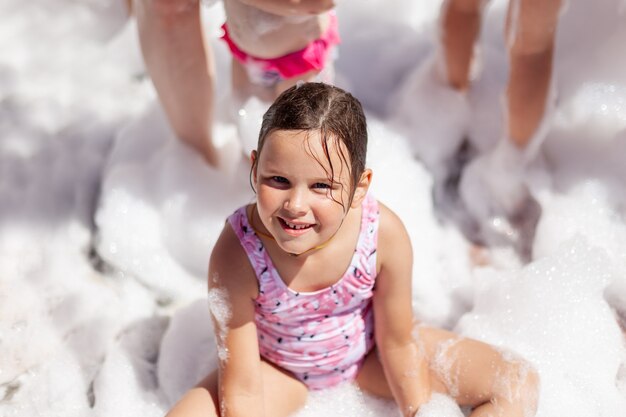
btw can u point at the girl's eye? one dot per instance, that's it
(321, 185)
(279, 180)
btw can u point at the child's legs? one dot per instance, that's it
(283, 395)
(474, 373)
(479, 375)
(201, 400)
(460, 28)
(530, 33)
(371, 378)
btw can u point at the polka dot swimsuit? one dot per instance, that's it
(322, 337)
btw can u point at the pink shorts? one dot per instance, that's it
(269, 71)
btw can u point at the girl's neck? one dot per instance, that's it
(315, 269)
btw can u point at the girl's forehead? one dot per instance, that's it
(306, 148)
(310, 141)
(292, 137)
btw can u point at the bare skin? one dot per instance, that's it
(531, 55)
(180, 63)
(461, 26)
(284, 395)
(269, 32)
(271, 29)
(469, 375)
(475, 363)
(530, 33)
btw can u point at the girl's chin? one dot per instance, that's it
(296, 248)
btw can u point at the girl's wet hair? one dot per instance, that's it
(336, 114)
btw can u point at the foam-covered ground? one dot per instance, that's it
(107, 221)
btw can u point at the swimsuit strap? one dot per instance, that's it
(262, 263)
(252, 245)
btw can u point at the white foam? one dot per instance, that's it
(221, 312)
(126, 383)
(346, 400)
(188, 350)
(544, 312)
(440, 405)
(87, 333)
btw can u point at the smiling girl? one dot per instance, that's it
(316, 278)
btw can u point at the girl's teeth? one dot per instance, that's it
(295, 226)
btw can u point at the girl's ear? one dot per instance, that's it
(253, 159)
(360, 191)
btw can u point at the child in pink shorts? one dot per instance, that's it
(274, 45)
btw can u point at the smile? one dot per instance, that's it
(294, 227)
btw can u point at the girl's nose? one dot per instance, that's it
(296, 202)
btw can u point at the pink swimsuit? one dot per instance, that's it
(322, 337)
(269, 71)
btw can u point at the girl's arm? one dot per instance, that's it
(291, 7)
(232, 289)
(405, 366)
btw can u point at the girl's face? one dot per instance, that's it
(296, 202)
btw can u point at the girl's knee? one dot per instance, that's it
(198, 402)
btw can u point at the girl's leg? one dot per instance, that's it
(460, 27)
(284, 395)
(493, 382)
(474, 373)
(530, 33)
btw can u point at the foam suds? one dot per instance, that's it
(107, 221)
(221, 313)
(440, 405)
(443, 363)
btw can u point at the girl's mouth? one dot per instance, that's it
(294, 229)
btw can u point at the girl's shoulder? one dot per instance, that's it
(229, 265)
(389, 221)
(393, 238)
(227, 247)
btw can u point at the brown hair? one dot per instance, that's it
(331, 111)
